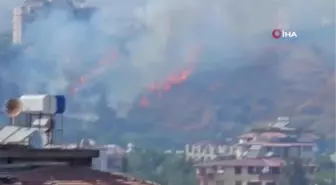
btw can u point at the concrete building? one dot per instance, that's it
(67, 175)
(207, 150)
(255, 171)
(278, 140)
(111, 157)
(260, 155)
(33, 9)
(29, 157)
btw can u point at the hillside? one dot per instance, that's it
(291, 80)
(283, 79)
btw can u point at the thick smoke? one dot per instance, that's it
(6, 8)
(152, 39)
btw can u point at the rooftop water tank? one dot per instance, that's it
(60, 104)
(43, 104)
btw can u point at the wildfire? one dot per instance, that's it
(144, 102)
(102, 66)
(176, 78)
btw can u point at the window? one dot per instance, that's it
(113, 163)
(220, 170)
(270, 183)
(238, 170)
(252, 153)
(278, 151)
(254, 183)
(252, 170)
(220, 182)
(275, 170)
(312, 170)
(238, 183)
(307, 148)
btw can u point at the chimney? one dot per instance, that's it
(17, 25)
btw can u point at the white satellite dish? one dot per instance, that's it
(266, 169)
(220, 170)
(269, 154)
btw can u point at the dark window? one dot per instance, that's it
(239, 183)
(275, 170)
(286, 151)
(252, 170)
(202, 171)
(312, 170)
(238, 170)
(113, 163)
(307, 148)
(254, 183)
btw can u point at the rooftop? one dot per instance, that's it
(271, 162)
(273, 144)
(19, 151)
(74, 175)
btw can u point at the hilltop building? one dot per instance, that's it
(208, 150)
(111, 157)
(34, 9)
(260, 156)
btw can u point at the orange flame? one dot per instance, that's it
(102, 65)
(176, 78)
(144, 102)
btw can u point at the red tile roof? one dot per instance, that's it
(273, 135)
(272, 162)
(67, 175)
(280, 144)
(248, 135)
(264, 135)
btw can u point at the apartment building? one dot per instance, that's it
(259, 157)
(255, 171)
(208, 150)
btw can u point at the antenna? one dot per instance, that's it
(282, 122)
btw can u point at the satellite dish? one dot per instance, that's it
(269, 154)
(87, 143)
(265, 170)
(13, 108)
(220, 170)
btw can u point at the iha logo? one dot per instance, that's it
(278, 33)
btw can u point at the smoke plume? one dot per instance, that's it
(129, 44)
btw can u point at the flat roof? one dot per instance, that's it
(75, 175)
(271, 162)
(280, 144)
(26, 152)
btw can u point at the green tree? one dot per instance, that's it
(166, 169)
(293, 174)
